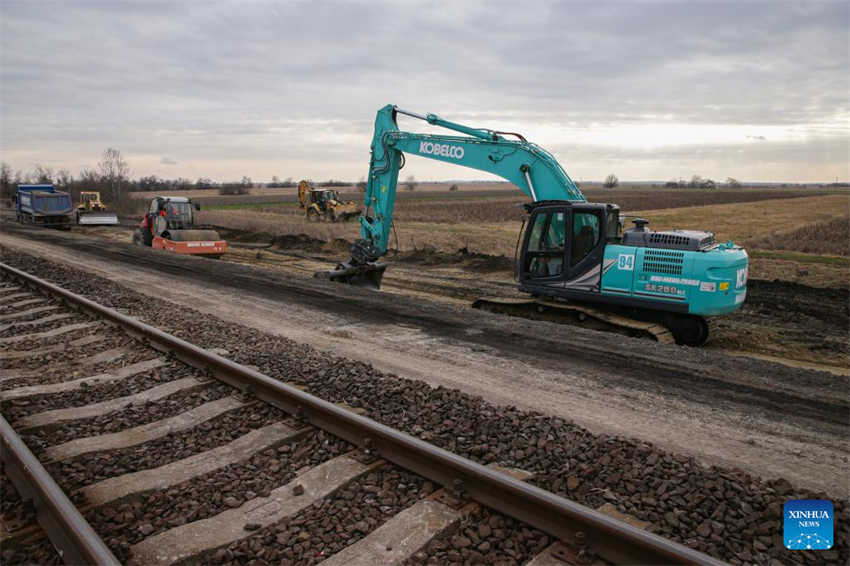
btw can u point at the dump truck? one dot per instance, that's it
(169, 225)
(92, 212)
(325, 204)
(43, 205)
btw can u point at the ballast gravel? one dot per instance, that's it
(132, 416)
(129, 520)
(95, 392)
(327, 526)
(96, 466)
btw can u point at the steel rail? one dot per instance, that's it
(594, 533)
(70, 533)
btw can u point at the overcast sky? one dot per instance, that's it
(754, 90)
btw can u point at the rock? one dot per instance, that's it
(460, 542)
(782, 486)
(484, 530)
(298, 489)
(572, 482)
(231, 501)
(704, 530)
(146, 529)
(484, 546)
(671, 519)
(252, 526)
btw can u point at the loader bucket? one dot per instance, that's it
(97, 219)
(368, 275)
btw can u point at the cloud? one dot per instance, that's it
(762, 138)
(253, 88)
(168, 161)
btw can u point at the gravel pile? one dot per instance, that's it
(327, 526)
(96, 466)
(16, 408)
(133, 416)
(127, 521)
(724, 512)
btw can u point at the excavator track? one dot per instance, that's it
(577, 315)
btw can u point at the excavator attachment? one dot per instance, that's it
(368, 276)
(362, 270)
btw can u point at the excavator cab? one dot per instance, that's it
(563, 245)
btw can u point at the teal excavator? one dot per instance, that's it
(575, 258)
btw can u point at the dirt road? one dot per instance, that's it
(766, 418)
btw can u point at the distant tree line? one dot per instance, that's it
(111, 177)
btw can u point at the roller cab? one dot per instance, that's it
(169, 225)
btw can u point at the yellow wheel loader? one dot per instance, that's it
(324, 204)
(92, 212)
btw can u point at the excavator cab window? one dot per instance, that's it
(545, 253)
(585, 235)
(613, 226)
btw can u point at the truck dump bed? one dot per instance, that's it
(42, 204)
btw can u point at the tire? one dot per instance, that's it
(313, 215)
(138, 239)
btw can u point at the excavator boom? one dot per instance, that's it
(526, 165)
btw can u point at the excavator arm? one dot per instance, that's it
(526, 165)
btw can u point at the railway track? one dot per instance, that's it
(169, 453)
